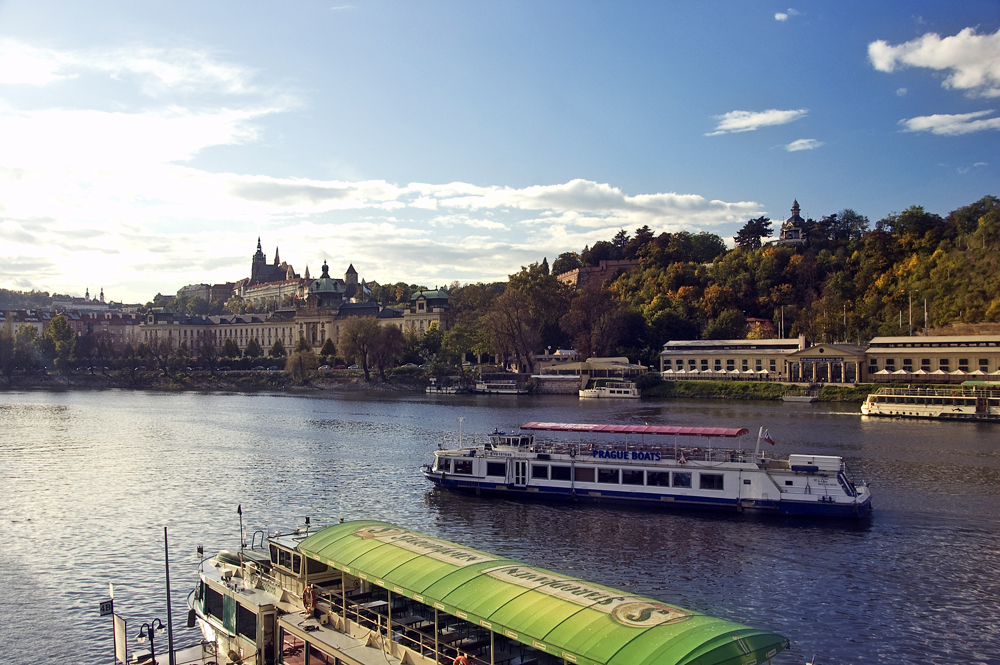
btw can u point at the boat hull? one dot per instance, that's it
(786, 507)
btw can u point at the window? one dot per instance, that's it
(463, 466)
(317, 657)
(607, 476)
(561, 472)
(984, 364)
(963, 364)
(213, 601)
(710, 481)
(890, 364)
(744, 364)
(293, 650)
(943, 364)
(540, 471)
(632, 476)
(925, 364)
(246, 623)
(774, 366)
(668, 364)
(658, 478)
(789, 483)
(496, 469)
(680, 479)
(442, 464)
(692, 363)
(718, 365)
(759, 364)
(585, 474)
(730, 364)
(908, 364)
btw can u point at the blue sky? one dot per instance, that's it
(146, 145)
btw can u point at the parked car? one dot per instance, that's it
(354, 367)
(258, 368)
(324, 368)
(410, 365)
(272, 368)
(340, 367)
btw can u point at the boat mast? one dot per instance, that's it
(760, 435)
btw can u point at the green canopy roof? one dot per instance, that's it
(570, 618)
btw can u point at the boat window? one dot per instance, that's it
(607, 476)
(680, 479)
(293, 650)
(246, 623)
(658, 478)
(561, 472)
(789, 482)
(285, 559)
(585, 474)
(443, 464)
(317, 657)
(296, 563)
(213, 602)
(632, 476)
(314, 567)
(540, 471)
(274, 553)
(496, 469)
(710, 481)
(463, 466)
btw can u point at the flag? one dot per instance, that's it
(767, 437)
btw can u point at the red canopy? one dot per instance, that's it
(665, 430)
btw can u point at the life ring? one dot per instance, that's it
(309, 598)
(460, 659)
(681, 459)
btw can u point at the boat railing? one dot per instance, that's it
(666, 451)
(918, 391)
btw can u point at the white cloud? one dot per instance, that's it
(748, 121)
(973, 61)
(23, 64)
(952, 125)
(803, 144)
(783, 16)
(900, 92)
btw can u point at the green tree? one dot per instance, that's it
(278, 349)
(27, 349)
(749, 237)
(730, 324)
(63, 342)
(328, 350)
(253, 349)
(7, 352)
(565, 262)
(209, 352)
(387, 348)
(230, 349)
(358, 335)
(302, 361)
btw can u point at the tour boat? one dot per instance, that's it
(619, 389)
(500, 387)
(966, 402)
(372, 593)
(651, 465)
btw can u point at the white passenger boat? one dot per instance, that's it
(617, 389)
(371, 593)
(651, 465)
(965, 402)
(500, 387)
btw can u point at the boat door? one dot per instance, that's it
(520, 472)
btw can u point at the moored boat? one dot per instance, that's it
(500, 387)
(651, 465)
(373, 593)
(616, 389)
(969, 401)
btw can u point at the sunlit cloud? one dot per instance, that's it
(952, 125)
(748, 121)
(803, 144)
(783, 16)
(972, 60)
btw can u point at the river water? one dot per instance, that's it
(89, 480)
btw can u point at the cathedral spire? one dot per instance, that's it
(277, 261)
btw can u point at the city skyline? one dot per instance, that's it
(147, 147)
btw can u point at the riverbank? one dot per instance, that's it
(754, 390)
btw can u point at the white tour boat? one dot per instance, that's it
(618, 389)
(651, 465)
(371, 593)
(965, 402)
(500, 387)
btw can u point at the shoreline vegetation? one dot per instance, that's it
(281, 381)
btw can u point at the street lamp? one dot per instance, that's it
(146, 631)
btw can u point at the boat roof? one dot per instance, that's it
(582, 622)
(668, 430)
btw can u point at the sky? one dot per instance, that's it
(145, 146)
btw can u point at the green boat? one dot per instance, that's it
(368, 593)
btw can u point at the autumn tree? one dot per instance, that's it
(357, 336)
(386, 348)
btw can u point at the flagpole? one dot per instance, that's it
(757, 449)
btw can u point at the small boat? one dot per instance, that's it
(652, 465)
(372, 593)
(435, 389)
(968, 401)
(617, 389)
(500, 387)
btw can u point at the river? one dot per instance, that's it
(90, 479)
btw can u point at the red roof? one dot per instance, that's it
(665, 430)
